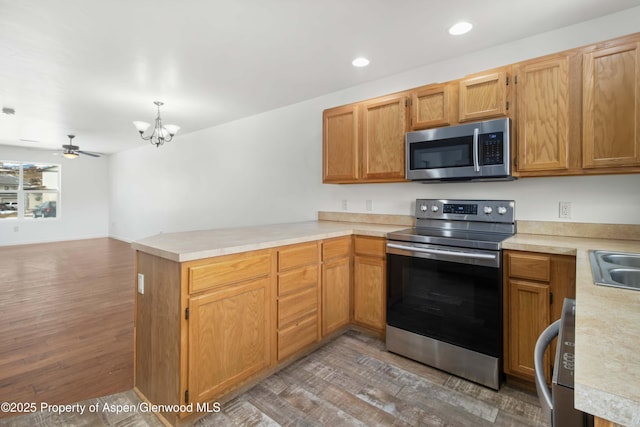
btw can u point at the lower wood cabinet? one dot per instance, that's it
(600, 422)
(298, 298)
(205, 328)
(336, 284)
(228, 337)
(202, 328)
(369, 283)
(535, 286)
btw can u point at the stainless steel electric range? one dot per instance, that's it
(444, 287)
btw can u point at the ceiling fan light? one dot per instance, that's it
(141, 126)
(172, 129)
(70, 154)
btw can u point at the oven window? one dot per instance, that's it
(443, 153)
(456, 303)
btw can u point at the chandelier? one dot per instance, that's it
(160, 134)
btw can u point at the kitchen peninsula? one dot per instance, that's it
(181, 280)
(218, 310)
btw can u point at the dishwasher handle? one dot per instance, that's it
(544, 340)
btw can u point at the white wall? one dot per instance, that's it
(267, 168)
(83, 207)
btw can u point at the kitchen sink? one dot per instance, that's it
(628, 260)
(617, 269)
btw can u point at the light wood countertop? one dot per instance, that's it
(192, 245)
(607, 365)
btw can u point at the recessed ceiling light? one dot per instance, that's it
(460, 28)
(360, 62)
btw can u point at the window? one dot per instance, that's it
(29, 190)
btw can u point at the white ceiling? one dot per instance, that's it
(91, 67)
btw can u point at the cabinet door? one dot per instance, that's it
(340, 144)
(336, 294)
(228, 337)
(433, 106)
(528, 317)
(483, 96)
(611, 107)
(384, 124)
(543, 115)
(369, 292)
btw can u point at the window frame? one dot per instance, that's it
(21, 193)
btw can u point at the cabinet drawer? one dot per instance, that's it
(297, 336)
(294, 307)
(336, 248)
(293, 281)
(530, 266)
(371, 246)
(297, 255)
(228, 269)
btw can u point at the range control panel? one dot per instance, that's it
(466, 210)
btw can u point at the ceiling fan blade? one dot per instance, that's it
(88, 153)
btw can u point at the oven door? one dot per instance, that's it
(447, 294)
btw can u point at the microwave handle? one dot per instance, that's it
(476, 163)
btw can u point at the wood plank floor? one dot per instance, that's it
(66, 321)
(352, 381)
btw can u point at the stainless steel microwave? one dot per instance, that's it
(468, 152)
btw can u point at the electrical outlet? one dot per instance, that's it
(344, 204)
(369, 205)
(564, 209)
(16, 229)
(141, 283)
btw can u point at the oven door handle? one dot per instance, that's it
(442, 252)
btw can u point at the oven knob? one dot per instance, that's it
(488, 209)
(502, 210)
(434, 208)
(423, 208)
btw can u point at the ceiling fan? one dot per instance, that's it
(72, 151)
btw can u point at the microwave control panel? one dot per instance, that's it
(491, 153)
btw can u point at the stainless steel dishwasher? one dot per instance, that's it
(557, 403)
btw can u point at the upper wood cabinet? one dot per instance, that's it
(543, 101)
(384, 124)
(611, 106)
(340, 146)
(579, 111)
(484, 96)
(364, 142)
(434, 106)
(575, 112)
